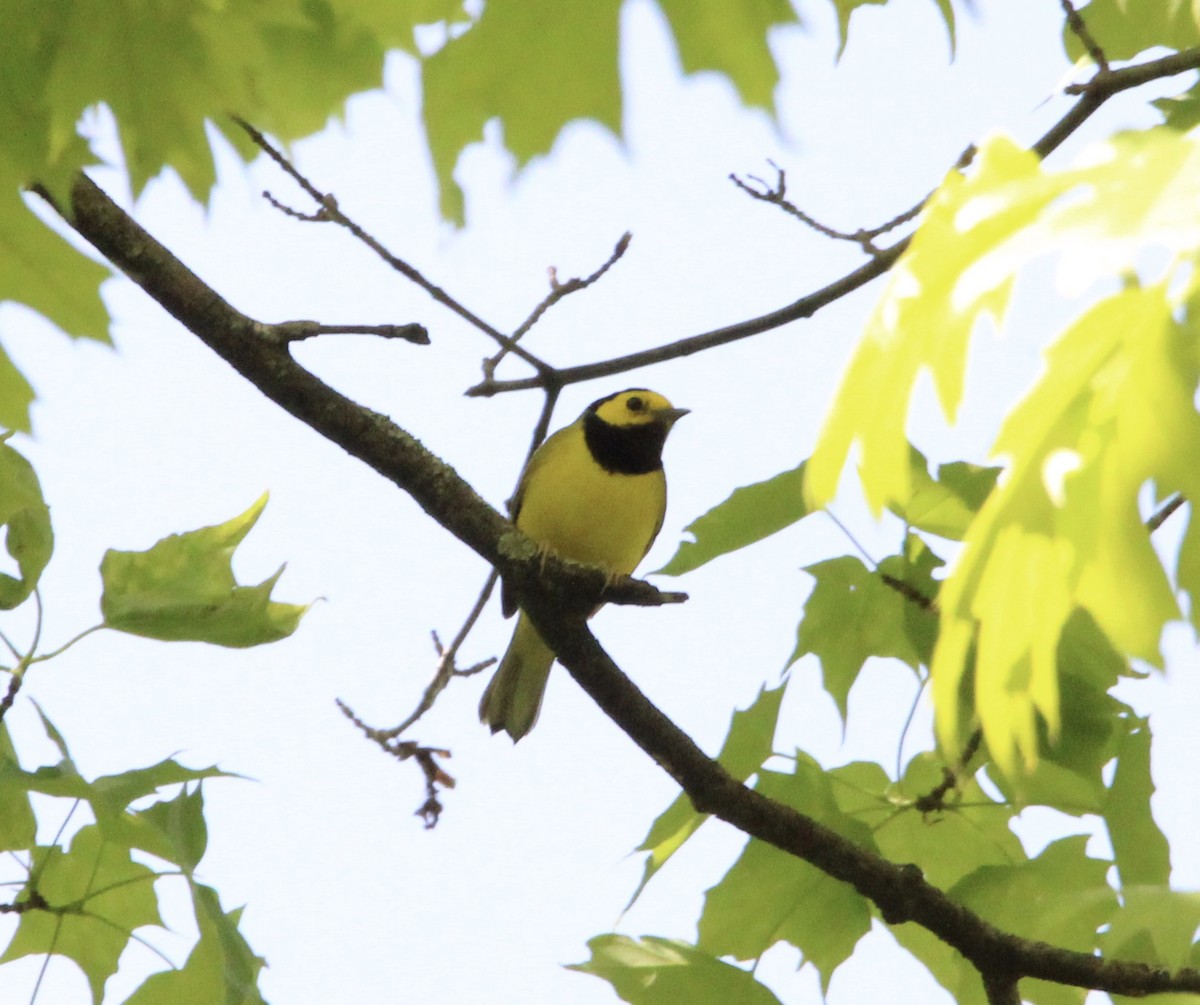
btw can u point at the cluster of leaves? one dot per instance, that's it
(84, 899)
(289, 66)
(1054, 592)
(951, 819)
(1056, 587)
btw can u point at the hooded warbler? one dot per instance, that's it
(595, 493)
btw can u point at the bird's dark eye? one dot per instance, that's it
(635, 404)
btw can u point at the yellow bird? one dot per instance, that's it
(595, 493)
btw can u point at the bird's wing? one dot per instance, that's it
(508, 603)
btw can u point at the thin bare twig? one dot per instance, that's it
(935, 799)
(1157, 519)
(1080, 30)
(330, 213)
(296, 331)
(1091, 96)
(10, 695)
(445, 671)
(558, 290)
(776, 195)
(435, 777)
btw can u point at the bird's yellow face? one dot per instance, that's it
(637, 407)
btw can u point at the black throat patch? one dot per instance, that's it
(625, 450)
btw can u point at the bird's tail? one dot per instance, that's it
(514, 697)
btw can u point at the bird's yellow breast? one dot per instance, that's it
(575, 507)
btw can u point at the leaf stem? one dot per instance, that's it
(66, 645)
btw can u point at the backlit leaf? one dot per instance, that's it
(769, 896)
(1139, 846)
(747, 745)
(1136, 191)
(947, 504)
(183, 588)
(1063, 530)
(654, 971)
(221, 969)
(1124, 28)
(750, 514)
(852, 614)
(97, 897)
(25, 522)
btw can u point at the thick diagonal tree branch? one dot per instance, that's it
(252, 348)
(558, 598)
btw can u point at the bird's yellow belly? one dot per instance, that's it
(591, 515)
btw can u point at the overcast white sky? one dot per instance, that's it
(347, 896)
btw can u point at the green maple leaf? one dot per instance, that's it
(769, 896)
(183, 588)
(537, 65)
(1124, 28)
(731, 38)
(1119, 385)
(568, 70)
(1155, 925)
(1061, 897)
(655, 971)
(25, 521)
(221, 969)
(747, 746)
(854, 613)
(846, 8)
(18, 826)
(970, 831)
(96, 895)
(751, 513)
(1142, 853)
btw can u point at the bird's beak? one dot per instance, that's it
(672, 415)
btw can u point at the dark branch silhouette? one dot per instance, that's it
(558, 595)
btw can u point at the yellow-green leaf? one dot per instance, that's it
(924, 319)
(1063, 529)
(750, 514)
(1136, 191)
(730, 37)
(1124, 28)
(25, 521)
(97, 896)
(221, 969)
(655, 971)
(747, 745)
(183, 588)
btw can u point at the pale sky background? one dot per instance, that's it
(346, 895)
